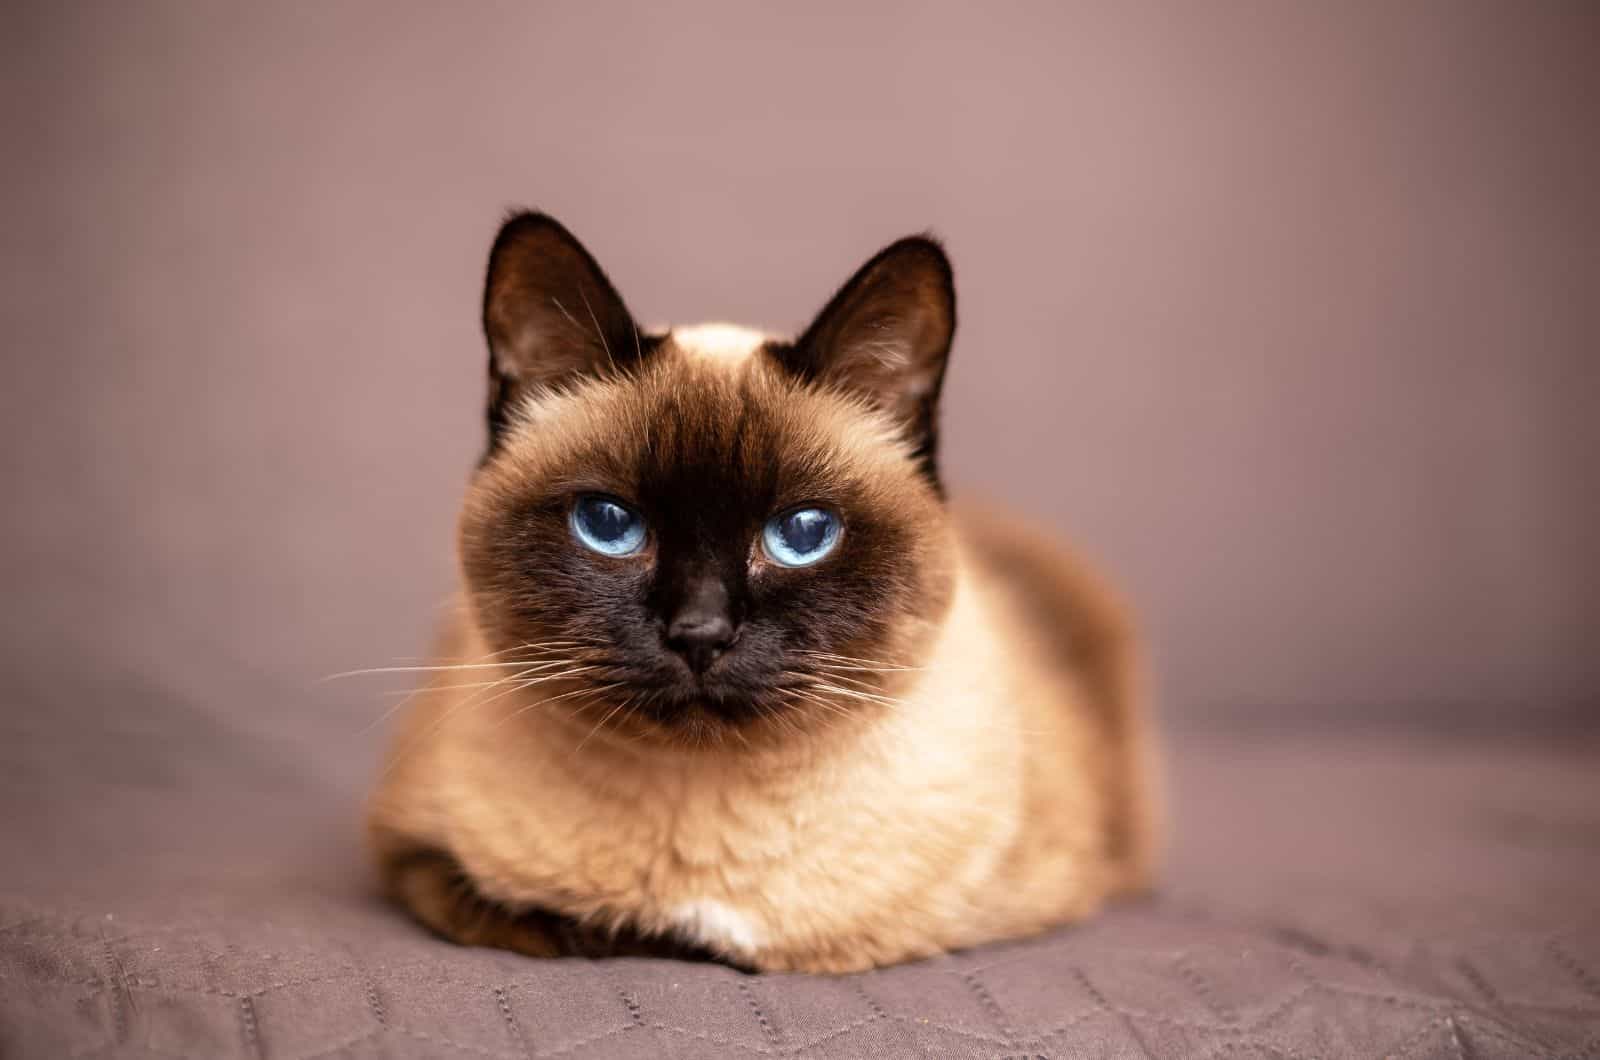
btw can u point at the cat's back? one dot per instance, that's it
(1069, 629)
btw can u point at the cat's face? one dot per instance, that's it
(714, 532)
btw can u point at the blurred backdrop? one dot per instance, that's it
(1288, 314)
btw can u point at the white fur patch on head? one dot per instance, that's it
(722, 342)
(716, 926)
(543, 403)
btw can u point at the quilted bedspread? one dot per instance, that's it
(174, 887)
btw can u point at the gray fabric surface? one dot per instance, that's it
(177, 888)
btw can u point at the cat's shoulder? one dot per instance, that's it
(1052, 583)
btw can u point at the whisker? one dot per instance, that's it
(420, 669)
(535, 645)
(857, 681)
(852, 693)
(518, 682)
(392, 711)
(601, 334)
(548, 647)
(439, 724)
(554, 699)
(856, 661)
(538, 679)
(431, 687)
(448, 668)
(599, 724)
(823, 703)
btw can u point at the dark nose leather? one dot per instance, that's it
(701, 628)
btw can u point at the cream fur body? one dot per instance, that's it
(974, 808)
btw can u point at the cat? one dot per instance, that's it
(728, 676)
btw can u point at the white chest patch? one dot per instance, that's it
(716, 926)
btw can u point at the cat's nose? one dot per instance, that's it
(700, 637)
(702, 629)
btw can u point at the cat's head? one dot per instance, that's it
(706, 531)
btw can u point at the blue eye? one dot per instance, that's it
(801, 536)
(607, 525)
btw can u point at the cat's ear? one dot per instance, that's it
(549, 313)
(886, 337)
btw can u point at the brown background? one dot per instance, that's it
(1288, 313)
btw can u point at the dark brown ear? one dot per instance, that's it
(550, 315)
(886, 336)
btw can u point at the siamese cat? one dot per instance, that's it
(728, 677)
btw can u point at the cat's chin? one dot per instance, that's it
(701, 717)
(694, 707)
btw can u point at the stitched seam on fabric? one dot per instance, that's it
(910, 1021)
(1255, 1027)
(628, 1002)
(1456, 1008)
(872, 1002)
(1202, 989)
(768, 1031)
(504, 1004)
(1259, 1025)
(1471, 974)
(1127, 1022)
(118, 992)
(1495, 1007)
(1302, 941)
(1588, 982)
(1453, 1008)
(375, 1003)
(1436, 1005)
(1055, 1032)
(1273, 1014)
(846, 1029)
(631, 1003)
(1416, 1038)
(248, 1026)
(1496, 1010)
(987, 1003)
(1478, 1028)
